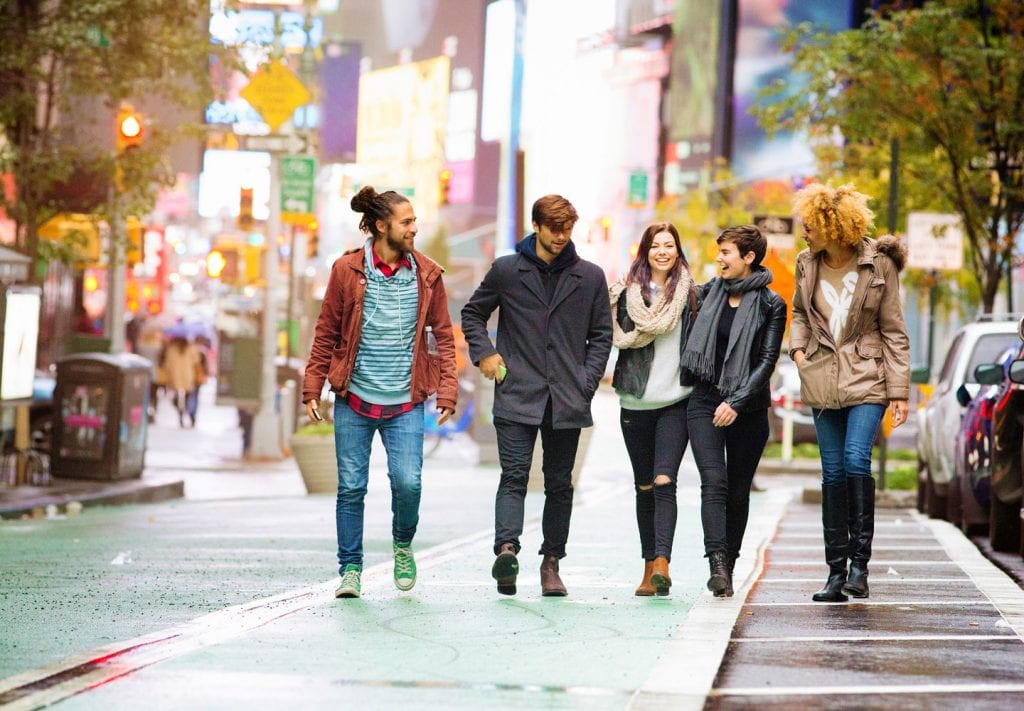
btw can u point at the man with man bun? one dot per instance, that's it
(384, 342)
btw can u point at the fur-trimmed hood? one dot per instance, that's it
(890, 246)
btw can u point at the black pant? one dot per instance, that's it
(656, 441)
(515, 451)
(727, 458)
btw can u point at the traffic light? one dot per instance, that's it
(245, 218)
(313, 241)
(130, 128)
(444, 181)
(133, 248)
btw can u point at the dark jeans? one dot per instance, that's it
(727, 458)
(515, 451)
(655, 441)
(845, 437)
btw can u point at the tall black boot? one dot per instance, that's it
(834, 521)
(861, 492)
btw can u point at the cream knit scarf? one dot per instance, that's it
(649, 321)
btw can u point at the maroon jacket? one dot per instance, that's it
(336, 337)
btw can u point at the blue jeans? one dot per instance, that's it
(403, 441)
(845, 437)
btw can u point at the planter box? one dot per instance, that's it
(317, 462)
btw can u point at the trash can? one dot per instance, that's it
(100, 423)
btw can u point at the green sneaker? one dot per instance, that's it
(405, 566)
(350, 582)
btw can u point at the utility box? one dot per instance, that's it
(100, 422)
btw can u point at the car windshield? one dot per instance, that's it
(987, 350)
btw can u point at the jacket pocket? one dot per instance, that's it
(338, 371)
(869, 349)
(814, 378)
(874, 295)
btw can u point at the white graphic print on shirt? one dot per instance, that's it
(840, 303)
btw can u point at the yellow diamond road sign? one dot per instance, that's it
(275, 92)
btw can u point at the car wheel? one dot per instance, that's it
(1004, 525)
(936, 502)
(922, 486)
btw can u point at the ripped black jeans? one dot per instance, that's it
(655, 441)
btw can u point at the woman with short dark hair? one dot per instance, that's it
(731, 353)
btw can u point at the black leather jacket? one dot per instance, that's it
(764, 354)
(633, 367)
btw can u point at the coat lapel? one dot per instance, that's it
(531, 279)
(569, 282)
(865, 275)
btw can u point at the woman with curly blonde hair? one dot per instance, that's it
(849, 342)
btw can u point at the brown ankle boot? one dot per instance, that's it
(505, 569)
(645, 589)
(659, 576)
(550, 583)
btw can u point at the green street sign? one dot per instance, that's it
(638, 189)
(298, 175)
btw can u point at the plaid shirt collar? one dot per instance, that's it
(385, 268)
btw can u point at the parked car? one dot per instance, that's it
(1007, 480)
(969, 493)
(786, 380)
(976, 343)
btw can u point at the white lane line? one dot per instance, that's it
(882, 638)
(878, 603)
(47, 685)
(875, 580)
(874, 565)
(874, 547)
(1005, 594)
(700, 643)
(869, 690)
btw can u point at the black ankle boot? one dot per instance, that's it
(834, 521)
(861, 493)
(719, 580)
(730, 565)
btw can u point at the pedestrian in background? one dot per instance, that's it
(554, 337)
(849, 342)
(653, 311)
(731, 353)
(384, 342)
(181, 360)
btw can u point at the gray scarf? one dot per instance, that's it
(699, 356)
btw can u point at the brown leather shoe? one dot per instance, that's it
(659, 576)
(645, 589)
(550, 583)
(505, 569)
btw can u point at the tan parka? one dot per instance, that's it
(871, 364)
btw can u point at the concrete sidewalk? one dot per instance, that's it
(943, 627)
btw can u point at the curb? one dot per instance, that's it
(70, 501)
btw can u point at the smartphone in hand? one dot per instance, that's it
(317, 415)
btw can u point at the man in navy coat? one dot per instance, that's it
(554, 338)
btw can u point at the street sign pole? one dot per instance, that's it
(266, 435)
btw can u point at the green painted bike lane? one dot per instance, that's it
(453, 641)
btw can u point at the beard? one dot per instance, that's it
(394, 242)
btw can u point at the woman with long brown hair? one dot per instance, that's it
(652, 309)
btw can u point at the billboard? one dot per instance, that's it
(339, 100)
(19, 309)
(403, 114)
(759, 63)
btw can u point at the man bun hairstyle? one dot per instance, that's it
(375, 206)
(747, 238)
(837, 214)
(554, 212)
